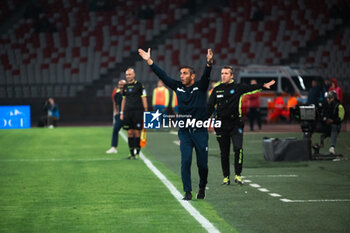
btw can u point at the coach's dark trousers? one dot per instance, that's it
(197, 138)
(117, 125)
(231, 131)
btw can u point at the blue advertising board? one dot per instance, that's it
(14, 117)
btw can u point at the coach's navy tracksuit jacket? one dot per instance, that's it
(192, 102)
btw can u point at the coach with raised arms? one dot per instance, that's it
(192, 98)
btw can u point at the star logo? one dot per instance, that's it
(155, 115)
(151, 120)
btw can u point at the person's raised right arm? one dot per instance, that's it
(157, 70)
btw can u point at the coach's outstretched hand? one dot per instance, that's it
(146, 55)
(210, 55)
(269, 84)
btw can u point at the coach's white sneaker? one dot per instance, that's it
(113, 150)
(332, 150)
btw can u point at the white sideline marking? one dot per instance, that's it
(320, 200)
(271, 176)
(264, 190)
(255, 185)
(60, 160)
(173, 132)
(176, 142)
(274, 195)
(286, 200)
(186, 204)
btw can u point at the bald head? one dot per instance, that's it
(121, 84)
(130, 75)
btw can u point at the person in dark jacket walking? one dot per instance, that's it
(227, 98)
(192, 100)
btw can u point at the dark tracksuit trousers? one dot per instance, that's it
(197, 138)
(117, 125)
(231, 131)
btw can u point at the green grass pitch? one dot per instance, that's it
(61, 180)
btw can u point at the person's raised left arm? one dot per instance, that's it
(205, 79)
(210, 59)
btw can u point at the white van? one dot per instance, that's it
(288, 80)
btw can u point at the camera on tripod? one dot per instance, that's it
(312, 120)
(307, 115)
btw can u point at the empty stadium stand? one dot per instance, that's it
(237, 39)
(68, 45)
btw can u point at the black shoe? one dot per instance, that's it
(201, 194)
(188, 196)
(131, 157)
